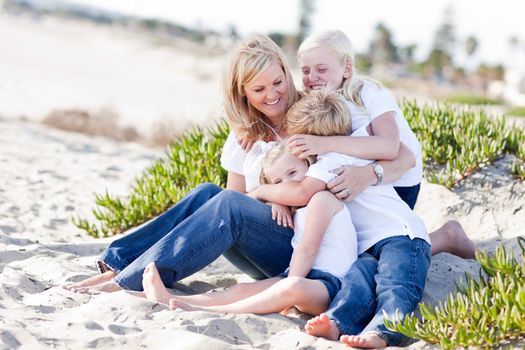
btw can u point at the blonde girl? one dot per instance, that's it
(327, 60)
(324, 245)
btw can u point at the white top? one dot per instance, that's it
(376, 101)
(338, 249)
(234, 159)
(377, 212)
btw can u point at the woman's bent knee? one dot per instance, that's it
(208, 187)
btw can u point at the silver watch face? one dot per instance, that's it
(378, 169)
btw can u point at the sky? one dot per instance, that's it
(410, 21)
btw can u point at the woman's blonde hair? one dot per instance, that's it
(273, 154)
(245, 62)
(341, 46)
(321, 112)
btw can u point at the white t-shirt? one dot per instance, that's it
(338, 249)
(377, 212)
(234, 159)
(376, 101)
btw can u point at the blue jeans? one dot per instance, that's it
(409, 194)
(206, 223)
(389, 276)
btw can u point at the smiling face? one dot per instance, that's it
(268, 93)
(286, 168)
(320, 67)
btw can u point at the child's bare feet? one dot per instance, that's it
(368, 341)
(179, 304)
(90, 282)
(321, 326)
(107, 287)
(153, 286)
(451, 238)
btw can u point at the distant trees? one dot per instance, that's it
(471, 45)
(290, 42)
(306, 9)
(442, 50)
(382, 47)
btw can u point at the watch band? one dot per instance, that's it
(378, 170)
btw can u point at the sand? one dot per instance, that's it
(49, 63)
(49, 175)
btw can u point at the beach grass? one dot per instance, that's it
(456, 142)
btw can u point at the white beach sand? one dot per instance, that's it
(48, 175)
(50, 63)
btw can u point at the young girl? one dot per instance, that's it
(325, 247)
(393, 246)
(327, 59)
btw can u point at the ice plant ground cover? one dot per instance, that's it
(456, 142)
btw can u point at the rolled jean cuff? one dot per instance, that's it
(103, 266)
(337, 325)
(391, 338)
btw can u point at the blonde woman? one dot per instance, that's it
(258, 90)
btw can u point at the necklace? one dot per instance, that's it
(277, 128)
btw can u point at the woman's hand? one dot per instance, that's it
(245, 144)
(303, 146)
(351, 181)
(282, 214)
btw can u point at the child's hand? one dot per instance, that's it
(282, 215)
(246, 145)
(303, 146)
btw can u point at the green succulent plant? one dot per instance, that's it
(192, 160)
(455, 142)
(485, 312)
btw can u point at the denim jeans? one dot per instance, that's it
(388, 277)
(409, 194)
(206, 223)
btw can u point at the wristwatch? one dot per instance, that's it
(378, 170)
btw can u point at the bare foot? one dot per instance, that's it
(92, 281)
(107, 287)
(321, 326)
(451, 238)
(179, 304)
(153, 286)
(368, 341)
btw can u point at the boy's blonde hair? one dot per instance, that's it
(273, 154)
(245, 62)
(321, 112)
(341, 46)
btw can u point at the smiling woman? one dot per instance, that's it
(258, 90)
